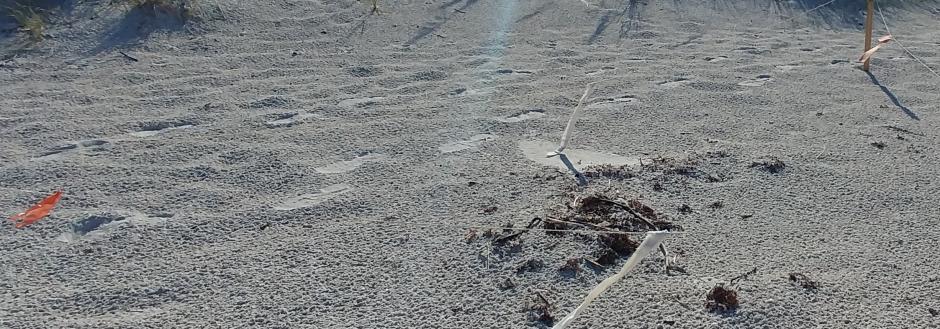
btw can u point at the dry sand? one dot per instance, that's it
(301, 164)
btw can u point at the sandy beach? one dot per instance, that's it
(311, 164)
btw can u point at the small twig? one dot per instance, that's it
(129, 57)
(686, 306)
(544, 300)
(460, 11)
(596, 264)
(504, 239)
(582, 224)
(626, 207)
(742, 276)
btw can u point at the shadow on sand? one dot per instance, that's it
(577, 174)
(440, 19)
(894, 99)
(629, 18)
(136, 26)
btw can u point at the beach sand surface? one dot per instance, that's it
(307, 164)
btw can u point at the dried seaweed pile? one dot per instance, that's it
(606, 212)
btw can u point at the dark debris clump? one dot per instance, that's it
(772, 165)
(803, 281)
(722, 299)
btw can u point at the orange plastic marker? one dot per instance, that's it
(37, 212)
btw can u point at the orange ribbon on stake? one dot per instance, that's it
(37, 212)
(881, 42)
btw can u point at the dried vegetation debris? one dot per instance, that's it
(606, 211)
(803, 281)
(611, 220)
(540, 309)
(695, 166)
(723, 297)
(769, 164)
(609, 172)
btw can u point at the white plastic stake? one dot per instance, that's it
(574, 117)
(652, 240)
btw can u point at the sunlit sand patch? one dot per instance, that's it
(535, 150)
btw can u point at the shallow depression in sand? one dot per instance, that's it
(535, 150)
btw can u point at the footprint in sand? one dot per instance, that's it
(59, 149)
(511, 71)
(360, 102)
(312, 199)
(93, 224)
(787, 67)
(350, 165)
(602, 70)
(532, 114)
(673, 82)
(98, 225)
(91, 145)
(287, 119)
(472, 143)
(270, 101)
(154, 128)
(753, 50)
(759, 81)
(613, 100)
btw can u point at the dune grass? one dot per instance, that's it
(33, 17)
(30, 20)
(30, 16)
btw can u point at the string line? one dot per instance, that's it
(909, 53)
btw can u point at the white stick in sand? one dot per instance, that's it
(574, 117)
(652, 240)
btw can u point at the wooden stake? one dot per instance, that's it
(868, 27)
